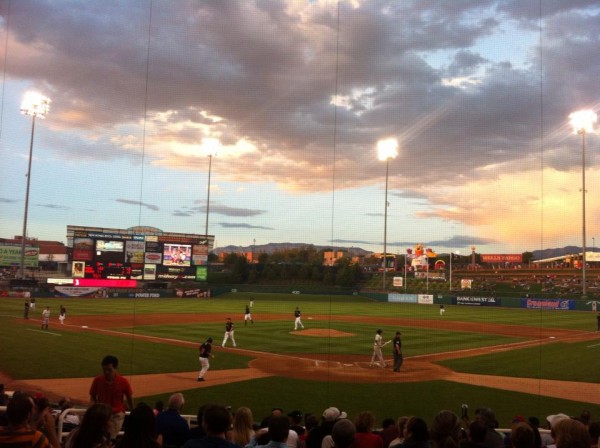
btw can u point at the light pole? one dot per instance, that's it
(211, 148)
(386, 149)
(35, 105)
(583, 122)
(451, 257)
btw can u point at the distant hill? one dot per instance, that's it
(557, 252)
(277, 247)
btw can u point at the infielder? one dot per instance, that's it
(62, 315)
(45, 318)
(205, 353)
(228, 332)
(377, 354)
(298, 321)
(248, 315)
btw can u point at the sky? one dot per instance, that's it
(294, 96)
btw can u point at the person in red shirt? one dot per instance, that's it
(365, 437)
(114, 390)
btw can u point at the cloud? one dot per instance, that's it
(138, 203)
(8, 201)
(53, 206)
(231, 225)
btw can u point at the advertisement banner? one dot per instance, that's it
(425, 299)
(201, 273)
(200, 260)
(548, 304)
(476, 301)
(502, 258)
(10, 255)
(402, 298)
(466, 283)
(175, 273)
(134, 251)
(398, 281)
(74, 291)
(149, 272)
(153, 258)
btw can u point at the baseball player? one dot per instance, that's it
(228, 332)
(442, 309)
(248, 315)
(205, 353)
(62, 315)
(377, 354)
(45, 318)
(298, 321)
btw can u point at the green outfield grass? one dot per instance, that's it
(28, 353)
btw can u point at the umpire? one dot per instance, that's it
(398, 358)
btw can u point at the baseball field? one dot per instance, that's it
(516, 361)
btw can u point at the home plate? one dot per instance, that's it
(84, 326)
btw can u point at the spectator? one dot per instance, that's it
(140, 429)
(365, 437)
(198, 431)
(488, 418)
(295, 423)
(93, 431)
(389, 431)
(594, 430)
(111, 388)
(571, 433)
(170, 425)
(241, 432)
(553, 420)
(476, 435)
(19, 432)
(343, 433)
(445, 430)
(585, 417)
(522, 436)
(43, 419)
(3, 396)
(159, 406)
(278, 432)
(401, 425)
(310, 421)
(216, 421)
(317, 434)
(416, 434)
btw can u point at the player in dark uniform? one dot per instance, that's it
(398, 358)
(205, 353)
(26, 312)
(248, 315)
(228, 333)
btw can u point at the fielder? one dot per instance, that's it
(248, 315)
(205, 353)
(378, 344)
(62, 315)
(442, 310)
(298, 321)
(228, 332)
(45, 318)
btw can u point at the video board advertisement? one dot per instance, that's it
(134, 251)
(78, 269)
(110, 251)
(177, 255)
(83, 249)
(175, 273)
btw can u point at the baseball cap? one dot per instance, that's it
(331, 414)
(554, 419)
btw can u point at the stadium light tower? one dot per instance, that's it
(34, 105)
(210, 147)
(386, 149)
(451, 257)
(583, 122)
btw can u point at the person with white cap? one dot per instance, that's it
(316, 436)
(553, 420)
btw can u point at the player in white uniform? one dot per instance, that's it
(442, 310)
(377, 356)
(45, 318)
(248, 315)
(62, 314)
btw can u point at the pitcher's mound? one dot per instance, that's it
(322, 333)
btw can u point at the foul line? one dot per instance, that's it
(45, 332)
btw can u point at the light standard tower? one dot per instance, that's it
(451, 257)
(35, 105)
(386, 149)
(583, 122)
(211, 148)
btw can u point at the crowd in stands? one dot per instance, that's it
(32, 421)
